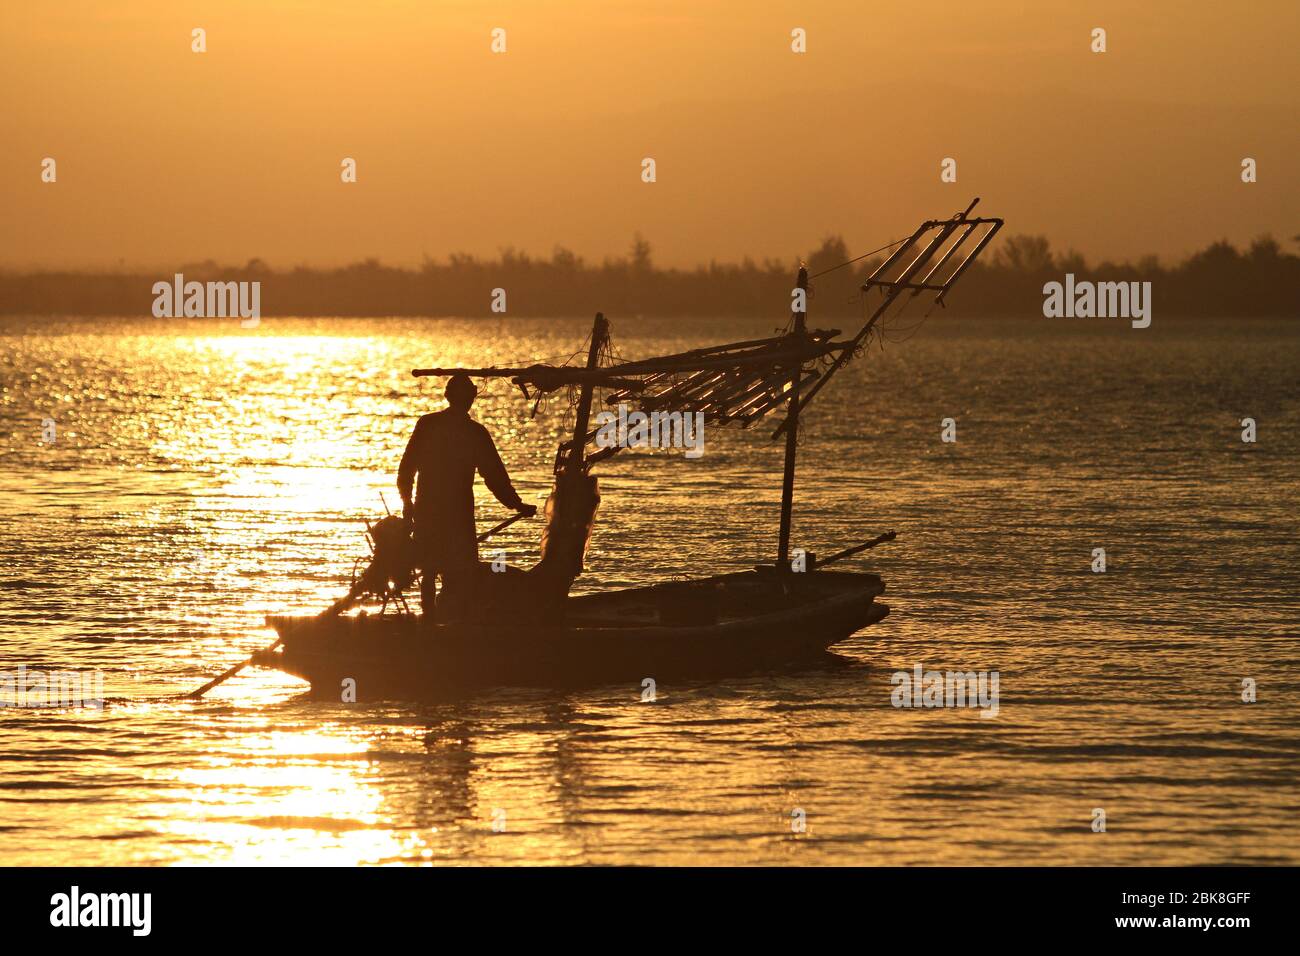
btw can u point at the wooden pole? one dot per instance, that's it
(800, 310)
(857, 549)
(577, 453)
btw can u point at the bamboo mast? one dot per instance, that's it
(792, 429)
(599, 334)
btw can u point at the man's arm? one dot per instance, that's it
(495, 477)
(410, 465)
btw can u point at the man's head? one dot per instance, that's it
(461, 392)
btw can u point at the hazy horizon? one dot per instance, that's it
(168, 156)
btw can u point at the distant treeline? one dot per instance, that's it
(1219, 280)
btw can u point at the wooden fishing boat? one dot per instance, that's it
(525, 628)
(728, 624)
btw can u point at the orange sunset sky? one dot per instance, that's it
(168, 156)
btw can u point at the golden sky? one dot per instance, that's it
(167, 156)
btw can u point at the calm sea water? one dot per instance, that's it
(204, 475)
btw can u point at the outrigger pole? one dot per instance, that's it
(909, 278)
(800, 311)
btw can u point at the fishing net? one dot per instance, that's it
(570, 516)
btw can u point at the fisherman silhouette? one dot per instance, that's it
(445, 450)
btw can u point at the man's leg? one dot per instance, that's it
(429, 594)
(458, 588)
(428, 561)
(458, 562)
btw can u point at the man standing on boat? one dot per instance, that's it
(445, 451)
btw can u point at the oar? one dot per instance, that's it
(335, 608)
(196, 694)
(858, 549)
(502, 526)
(330, 611)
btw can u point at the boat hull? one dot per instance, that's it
(765, 621)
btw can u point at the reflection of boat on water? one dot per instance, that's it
(524, 628)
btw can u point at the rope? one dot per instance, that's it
(896, 242)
